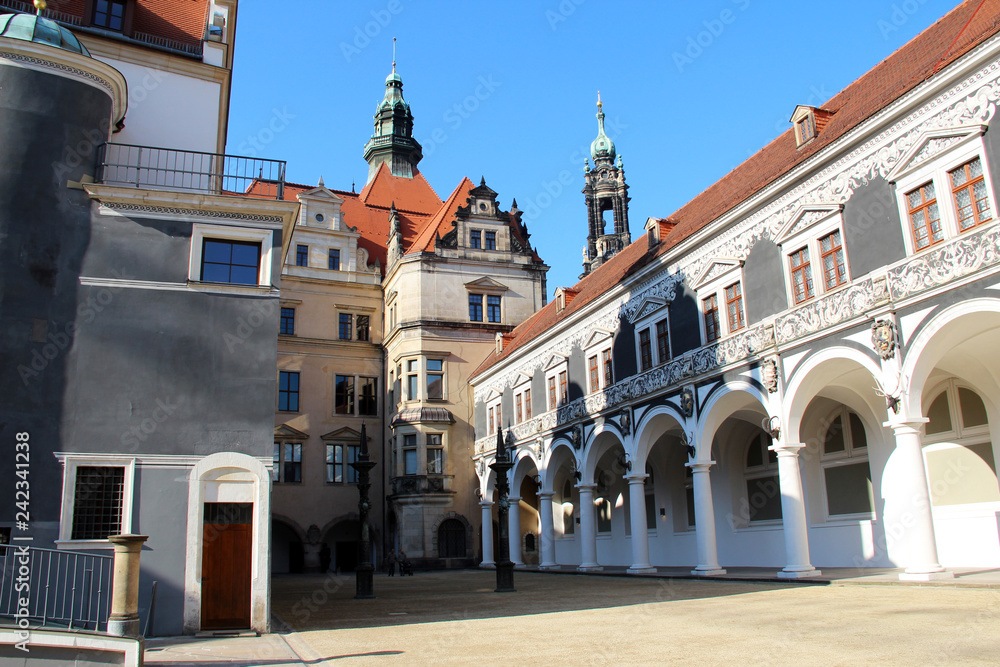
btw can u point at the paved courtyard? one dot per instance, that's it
(456, 618)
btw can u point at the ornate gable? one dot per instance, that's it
(931, 143)
(716, 267)
(804, 217)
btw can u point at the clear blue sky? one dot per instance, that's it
(507, 90)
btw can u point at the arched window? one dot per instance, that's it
(568, 519)
(451, 539)
(846, 473)
(961, 467)
(763, 500)
(529, 543)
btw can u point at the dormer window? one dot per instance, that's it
(808, 122)
(110, 14)
(805, 129)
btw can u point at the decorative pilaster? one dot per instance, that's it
(515, 530)
(487, 530)
(704, 520)
(908, 505)
(637, 515)
(124, 619)
(793, 513)
(588, 530)
(548, 543)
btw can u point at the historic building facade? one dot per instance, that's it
(140, 301)
(797, 369)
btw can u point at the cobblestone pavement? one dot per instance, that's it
(444, 618)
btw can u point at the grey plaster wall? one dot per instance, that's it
(684, 331)
(50, 128)
(873, 235)
(157, 250)
(577, 366)
(623, 351)
(764, 282)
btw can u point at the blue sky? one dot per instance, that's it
(507, 91)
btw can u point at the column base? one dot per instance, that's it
(548, 566)
(644, 569)
(708, 572)
(590, 568)
(799, 574)
(488, 565)
(926, 576)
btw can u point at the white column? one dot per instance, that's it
(908, 509)
(487, 534)
(514, 528)
(588, 530)
(548, 542)
(793, 513)
(637, 515)
(704, 520)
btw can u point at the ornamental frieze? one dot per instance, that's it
(829, 311)
(948, 262)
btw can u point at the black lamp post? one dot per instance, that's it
(365, 571)
(501, 465)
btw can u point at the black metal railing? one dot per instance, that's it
(63, 588)
(169, 169)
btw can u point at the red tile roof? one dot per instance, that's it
(179, 20)
(940, 45)
(440, 223)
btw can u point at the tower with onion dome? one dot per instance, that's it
(392, 140)
(605, 191)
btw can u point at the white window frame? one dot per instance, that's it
(557, 364)
(200, 232)
(795, 237)
(443, 449)
(70, 463)
(907, 179)
(523, 389)
(717, 285)
(766, 470)
(494, 402)
(600, 341)
(847, 457)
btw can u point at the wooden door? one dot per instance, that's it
(225, 566)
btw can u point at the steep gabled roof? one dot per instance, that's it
(440, 223)
(954, 35)
(408, 194)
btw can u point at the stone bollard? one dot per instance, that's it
(124, 619)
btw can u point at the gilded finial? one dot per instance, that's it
(40, 6)
(599, 104)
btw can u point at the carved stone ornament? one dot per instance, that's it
(576, 436)
(769, 375)
(625, 419)
(687, 401)
(884, 338)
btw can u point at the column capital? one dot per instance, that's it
(787, 448)
(514, 499)
(906, 425)
(636, 477)
(485, 503)
(546, 494)
(699, 466)
(586, 487)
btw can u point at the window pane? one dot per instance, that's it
(97, 504)
(973, 410)
(411, 387)
(435, 385)
(755, 456)
(849, 489)
(858, 438)
(364, 324)
(346, 325)
(410, 461)
(302, 255)
(287, 321)
(475, 307)
(368, 400)
(344, 395)
(834, 440)
(333, 261)
(493, 308)
(939, 415)
(764, 498)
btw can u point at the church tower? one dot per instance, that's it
(605, 190)
(392, 141)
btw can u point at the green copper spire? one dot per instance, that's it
(392, 141)
(602, 147)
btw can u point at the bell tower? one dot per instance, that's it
(605, 190)
(392, 141)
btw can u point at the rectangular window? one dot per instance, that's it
(925, 218)
(594, 373)
(711, 308)
(411, 380)
(338, 464)
(302, 255)
(662, 341)
(491, 420)
(287, 322)
(764, 497)
(493, 308)
(363, 327)
(834, 269)
(645, 351)
(288, 391)
(97, 502)
(527, 404)
(475, 307)
(802, 282)
(333, 260)
(553, 402)
(345, 326)
(435, 454)
(475, 239)
(435, 379)
(734, 306)
(491, 241)
(969, 191)
(563, 387)
(410, 454)
(234, 262)
(368, 397)
(609, 372)
(343, 402)
(518, 409)
(110, 14)
(291, 464)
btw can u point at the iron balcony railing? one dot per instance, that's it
(63, 589)
(169, 169)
